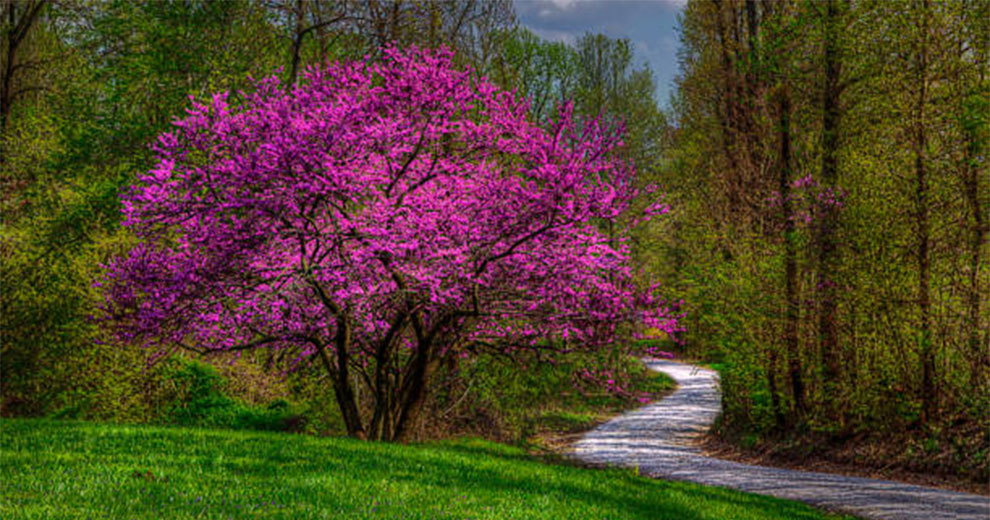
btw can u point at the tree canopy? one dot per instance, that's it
(380, 217)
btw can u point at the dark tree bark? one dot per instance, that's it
(413, 393)
(755, 184)
(790, 258)
(18, 19)
(831, 113)
(338, 369)
(728, 112)
(343, 388)
(297, 39)
(973, 174)
(928, 392)
(301, 30)
(977, 240)
(753, 32)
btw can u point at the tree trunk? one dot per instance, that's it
(16, 31)
(412, 394)
(978, 237)
(827, 318)
(6, 84)
(728, 113)
(297, 40)
(343, 389)
(928, 395)
(790, 258)
(755, 184)
(972, 173)
(753, 29)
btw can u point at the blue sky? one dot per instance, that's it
(650, 26)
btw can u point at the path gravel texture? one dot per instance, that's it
(659, 440)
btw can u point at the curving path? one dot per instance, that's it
(658, 440)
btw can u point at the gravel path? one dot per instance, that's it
(658, 440)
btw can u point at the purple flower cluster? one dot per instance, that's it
(810, 200)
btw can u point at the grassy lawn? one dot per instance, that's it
(51, 470)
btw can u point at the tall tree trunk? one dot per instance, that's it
(790, 258)
(16, 23)
(773, 360)
(755, 184)
(752, 26)
(412, 395)
(728, 113)
(340, 375)
(972, 173)
(827, 318)
(928, 394)
(6, 83)
(978, 238)
(297, 40)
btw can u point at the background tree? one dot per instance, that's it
(18, 22)
(112, 75)
(544, 72)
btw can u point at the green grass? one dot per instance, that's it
(599, 405)
(52, 470)
(578, 412)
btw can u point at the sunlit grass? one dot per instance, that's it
(51, 470)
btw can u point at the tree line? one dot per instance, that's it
(830, 168)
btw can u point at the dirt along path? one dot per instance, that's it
(659, 439)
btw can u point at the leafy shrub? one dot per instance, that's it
(508, 400)
(201, 399)
(746, 400)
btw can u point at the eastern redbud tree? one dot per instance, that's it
(380, 219)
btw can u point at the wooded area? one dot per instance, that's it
(831, 243)
(825, 162)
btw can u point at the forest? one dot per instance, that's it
(823, 166)
(830, 163)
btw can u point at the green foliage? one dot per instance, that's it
(597, 75)
(52, 360)
(545, 72)
(746, 396)
(512, 400)
(103, 79)
(199, 398)
(145, 472)
(315, 402)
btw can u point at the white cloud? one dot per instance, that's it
(568, 37)
(650, 26)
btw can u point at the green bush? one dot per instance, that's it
(200, 399)
(513, 399)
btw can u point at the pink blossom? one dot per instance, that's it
(385, 214)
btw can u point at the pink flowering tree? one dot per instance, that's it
(379, 219)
